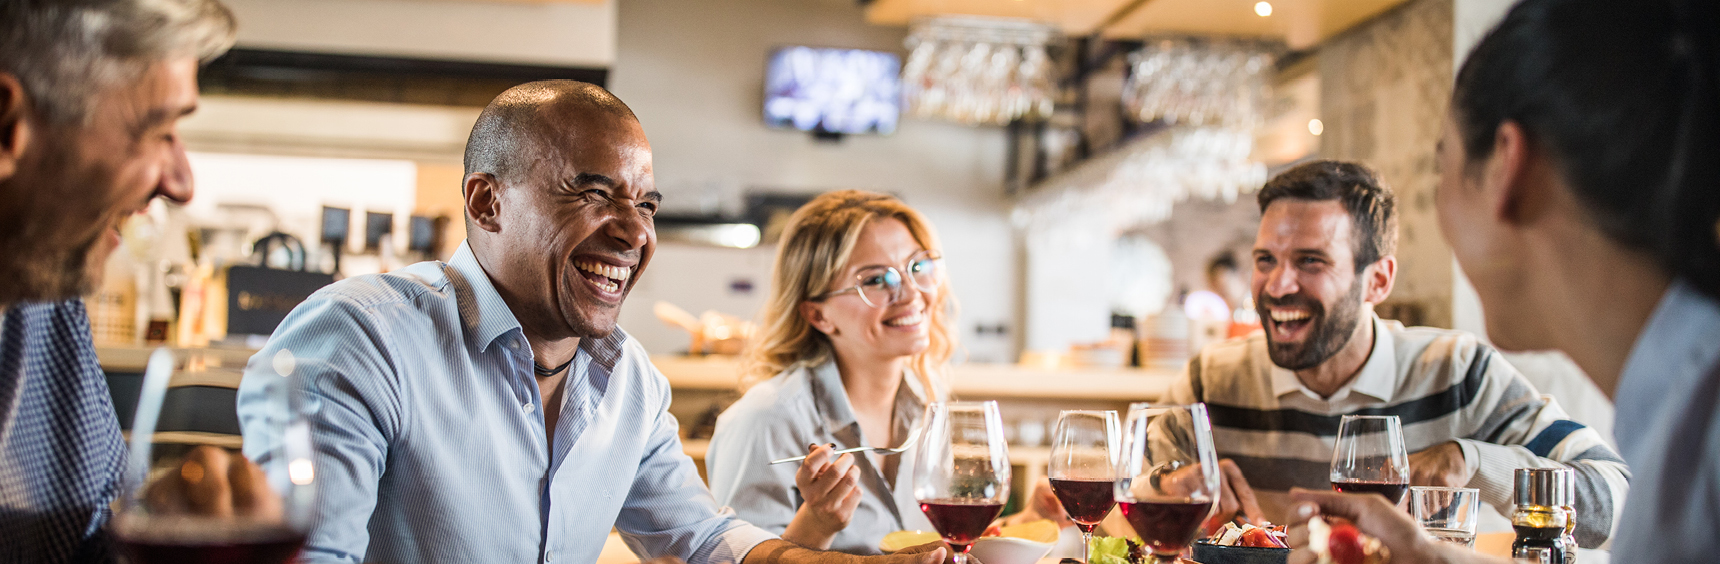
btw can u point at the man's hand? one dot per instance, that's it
(211, 482)
(1377, 517)
(777, 551)
(1042, 503)
(1441, 465)
(1236, 498)
(830, 490)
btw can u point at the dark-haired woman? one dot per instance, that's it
(1581, 194)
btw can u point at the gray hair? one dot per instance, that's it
(64, 52)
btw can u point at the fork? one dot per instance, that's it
(907, 443)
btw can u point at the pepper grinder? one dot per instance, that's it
(1541, 516)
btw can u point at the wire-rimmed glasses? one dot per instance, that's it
(880, 286)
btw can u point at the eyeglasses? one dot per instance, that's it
(880, 286)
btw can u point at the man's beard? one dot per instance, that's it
(46, 251)
(1331, 330)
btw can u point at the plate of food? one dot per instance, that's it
(1243, 544)
(1025, 543)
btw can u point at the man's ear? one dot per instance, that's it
(813, 313)
(15, 126)
(483, 202)
(1379, 278)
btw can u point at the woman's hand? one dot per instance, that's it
(830, 490)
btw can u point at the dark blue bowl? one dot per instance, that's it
(1207, 553)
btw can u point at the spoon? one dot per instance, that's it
(907, 443)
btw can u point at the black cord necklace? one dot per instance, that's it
(547, 372)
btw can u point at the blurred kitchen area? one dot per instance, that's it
(1089, 165)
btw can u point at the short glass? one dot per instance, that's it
(1449, 514)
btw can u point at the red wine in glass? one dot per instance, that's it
(1167, 527)
(1086, 501)
(209, 543)
(960, 521)
(1392, 491)
(1370, 457)
(1167, 477)
(961, 476)
(1084, 450)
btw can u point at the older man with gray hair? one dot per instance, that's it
(90, 95)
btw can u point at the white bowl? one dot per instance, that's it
(1008, 550)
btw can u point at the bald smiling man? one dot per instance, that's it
(435, 440)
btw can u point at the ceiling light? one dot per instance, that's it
(1263, 9)
(1316, 127)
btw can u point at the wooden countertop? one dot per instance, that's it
(977, 380)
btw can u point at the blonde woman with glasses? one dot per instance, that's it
(855, 342)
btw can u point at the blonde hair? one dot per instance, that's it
(815, 247)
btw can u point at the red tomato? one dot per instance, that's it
(992, 531)
(1345, 544)
(1261, 538)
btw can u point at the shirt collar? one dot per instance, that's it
(485, 316)
(1376, 379)
(833, 401)
(1677, 345)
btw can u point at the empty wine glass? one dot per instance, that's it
(961, 475)
(1084, 448)
(1168, 477)
(1370, 457)
(188, 495)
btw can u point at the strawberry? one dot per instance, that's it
(1345, 545)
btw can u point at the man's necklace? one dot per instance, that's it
(547, 372)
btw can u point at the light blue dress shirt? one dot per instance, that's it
(430, 442)
(1668, 426)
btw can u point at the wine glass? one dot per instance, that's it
(1083, 471)
(1370, 457)
(961, 475)
(189, 496)
(1167, 478)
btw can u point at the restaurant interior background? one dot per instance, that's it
(1106, 150)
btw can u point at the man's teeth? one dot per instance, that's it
(1283, 316)
(909, 320)
(614, 273)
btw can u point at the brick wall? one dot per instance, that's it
(1385, 86)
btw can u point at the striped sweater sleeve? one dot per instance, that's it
(1514, 426)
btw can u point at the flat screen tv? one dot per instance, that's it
(833, 90)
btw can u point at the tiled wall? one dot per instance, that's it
(1385, 88)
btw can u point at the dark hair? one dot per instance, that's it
(1623, 95)
(1221, 261)
(1373, 209)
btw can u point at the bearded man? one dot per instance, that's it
(1321, 260)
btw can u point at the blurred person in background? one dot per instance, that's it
(489, 409)
(1581, 194)
(1323, 258)
(856, 340)
(91, 94)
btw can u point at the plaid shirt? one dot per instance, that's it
(60, 446)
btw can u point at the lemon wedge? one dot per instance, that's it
(904, 539)
(1042, 530)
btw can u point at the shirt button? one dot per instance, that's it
(528, 407)
(548, 556)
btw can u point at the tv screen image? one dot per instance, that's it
(833, 90)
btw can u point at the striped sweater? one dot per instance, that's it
(1444, 385)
